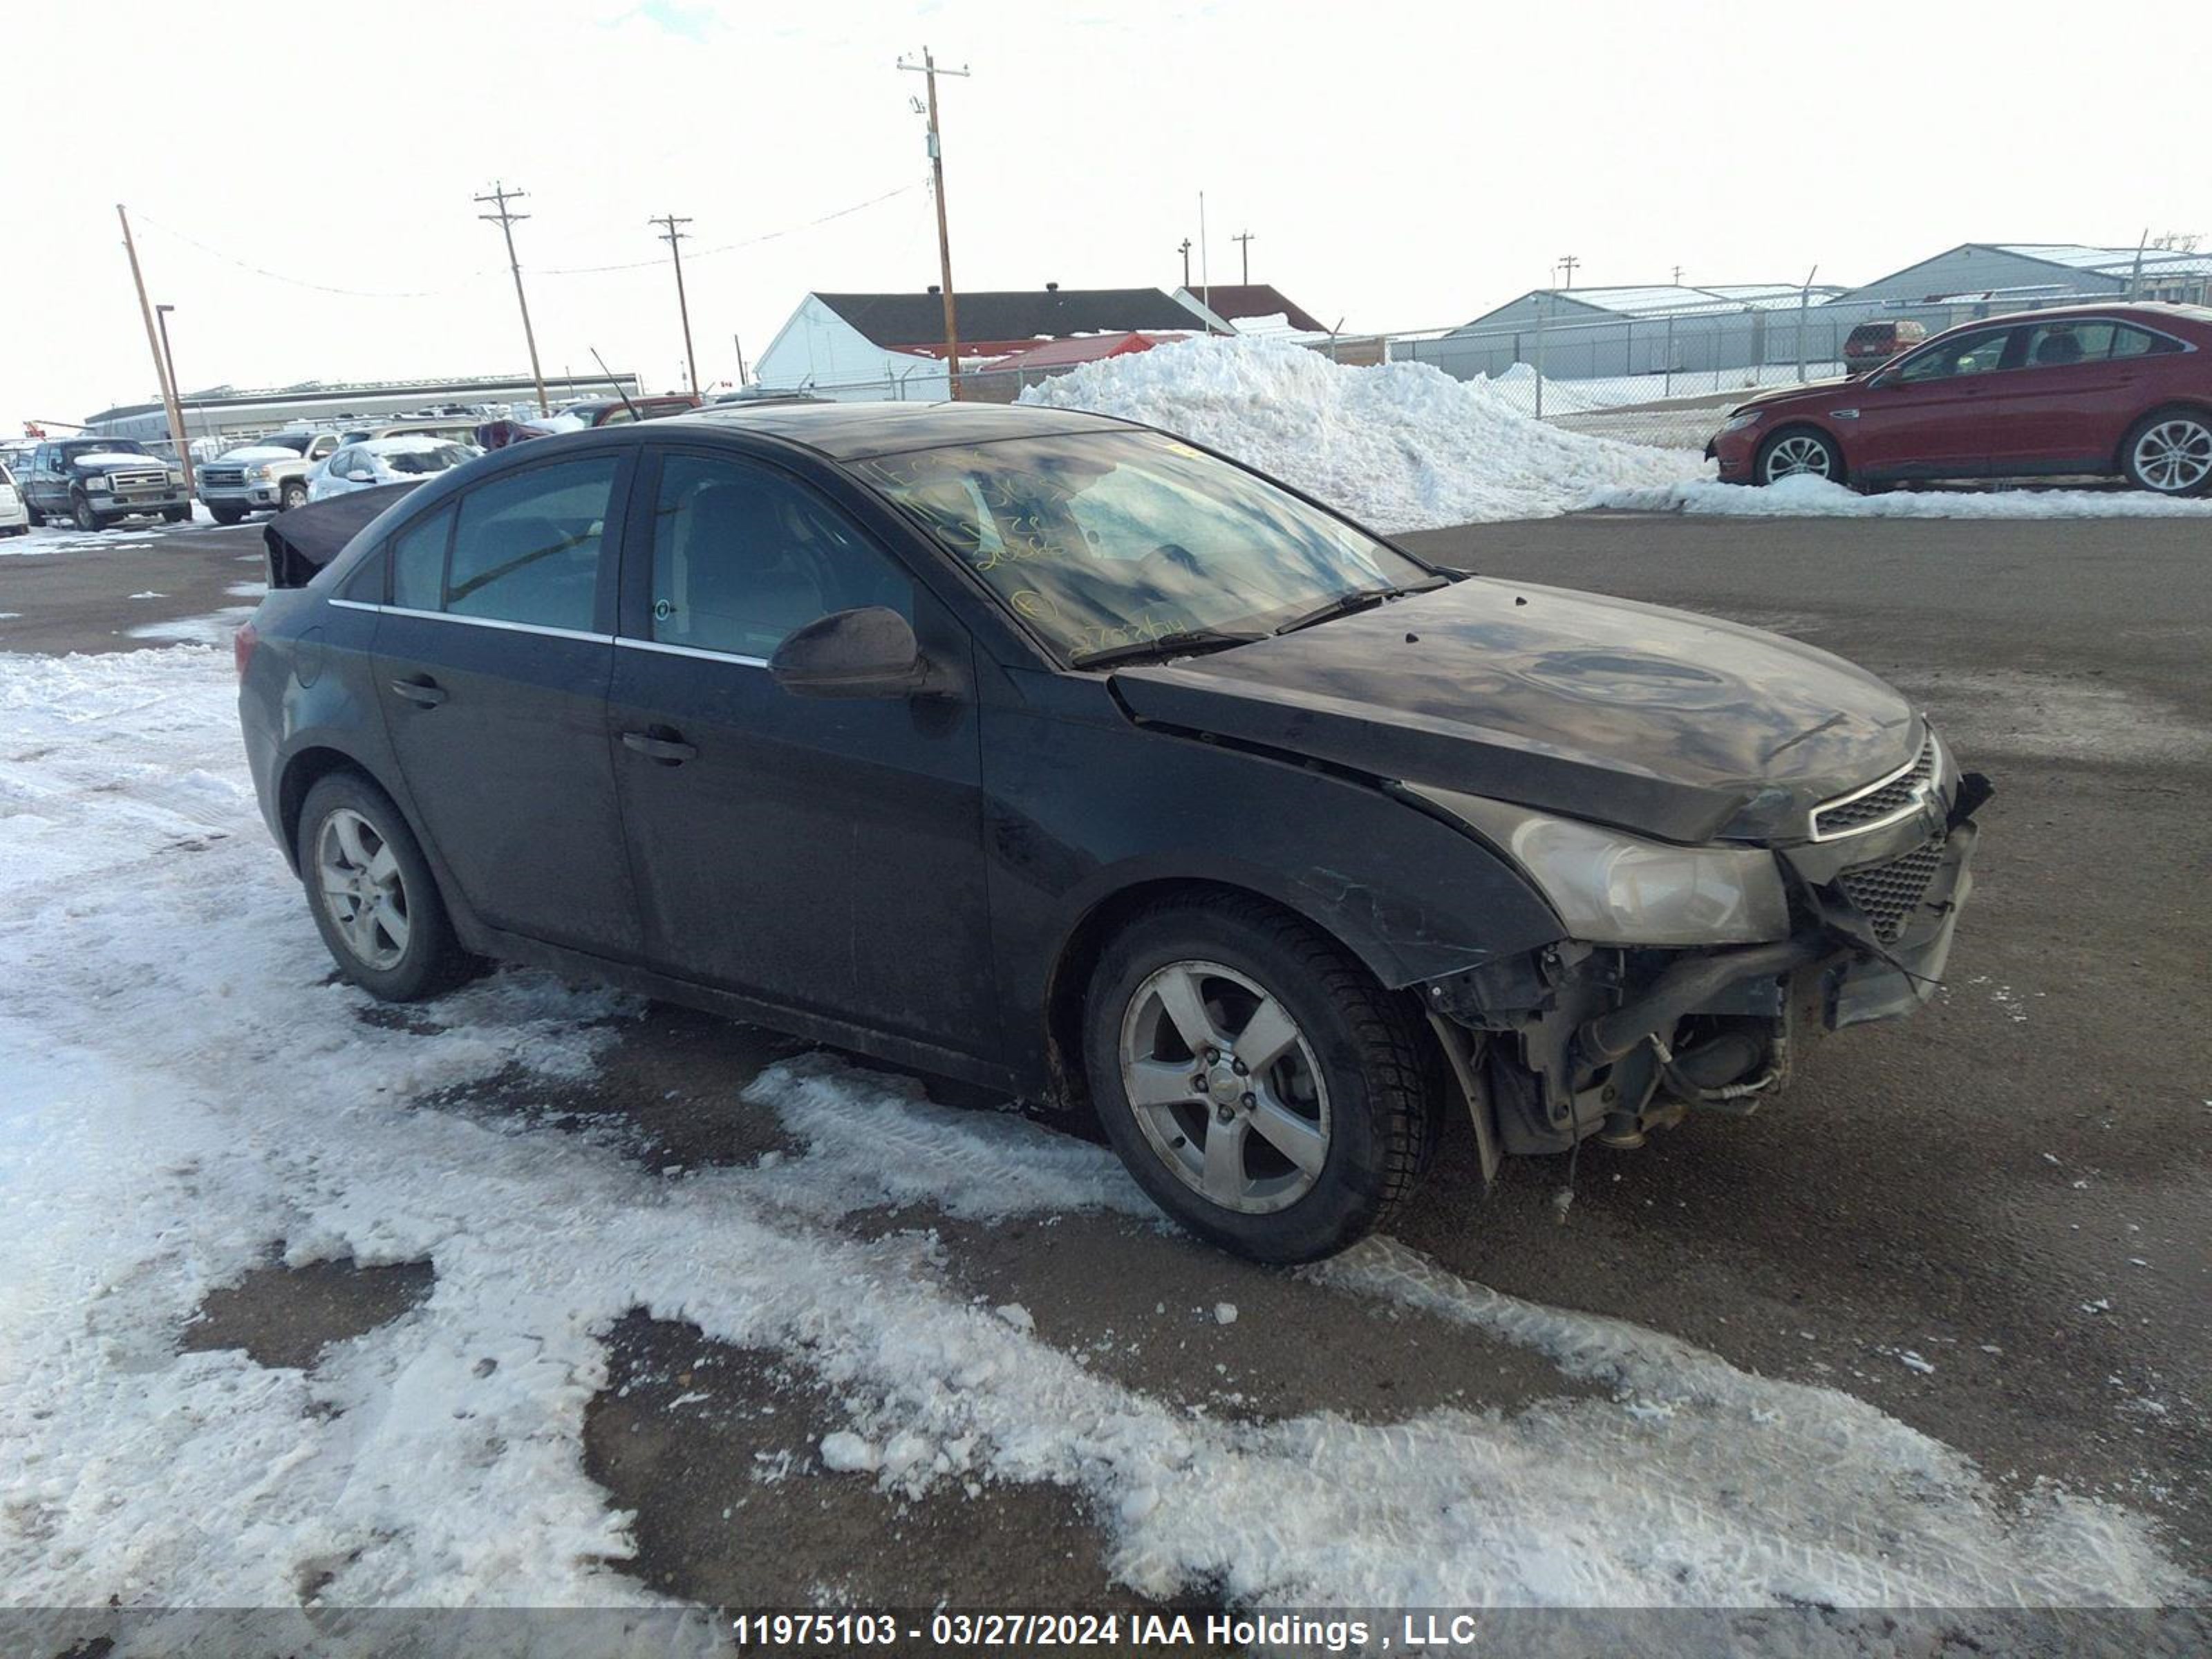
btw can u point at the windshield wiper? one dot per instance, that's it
(1186, 641)
(1360, 598)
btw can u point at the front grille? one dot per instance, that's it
(1890, 798)
(141, 480)
(1887, 894)
(224, 477)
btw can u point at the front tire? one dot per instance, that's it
(293, 494)
(86, 519)
(1258, 1085)
(1799, 452)
(2170, 453)
(226, 514)
(176, 514)
(372, 894)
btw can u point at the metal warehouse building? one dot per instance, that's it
(1576, 334)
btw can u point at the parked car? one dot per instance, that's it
(615, 411)
(1059, 754)
(451, 431)
(1872, 344)
(14, 518)
(379, 461)
(94, 482)
(2083, 390)
(269, 474)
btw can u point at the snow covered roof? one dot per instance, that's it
(1084, 348)
(1671, 299)
(2109, 261)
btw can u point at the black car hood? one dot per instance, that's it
(1682, 727)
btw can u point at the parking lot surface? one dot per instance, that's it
(1993, 1222)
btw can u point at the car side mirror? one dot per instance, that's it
(868, 653)
(361, 478)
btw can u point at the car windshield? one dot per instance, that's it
(105, 446)
(1101, 541)
(297, 442)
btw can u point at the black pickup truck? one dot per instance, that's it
(92, 482)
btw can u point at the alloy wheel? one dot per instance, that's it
(2175, 456)
(363, 888)
(1799, 454)
(1224, 1087)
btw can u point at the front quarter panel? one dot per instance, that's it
(1081, 805)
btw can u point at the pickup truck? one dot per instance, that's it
(92, 482)
(270, 473)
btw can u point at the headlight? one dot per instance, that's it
(265, 472)
(175, 475)
(1747, 417)
(1613, 888)
(99, 481)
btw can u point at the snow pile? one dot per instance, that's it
(1807, 497)
(1402, 447)
(183, 1098)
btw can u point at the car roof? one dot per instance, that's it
(856, 432)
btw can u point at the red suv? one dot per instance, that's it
(2083, 390)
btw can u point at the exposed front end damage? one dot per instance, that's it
(1612, 1038)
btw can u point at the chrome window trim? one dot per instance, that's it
(1935, 780)
(477, 622)
(690, 651)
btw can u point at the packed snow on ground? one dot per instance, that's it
(61, 537)
(186, 1091)
(1806, 497)
(1516, 384)
(1402, 446)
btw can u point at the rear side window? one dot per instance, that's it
(2141, 343)
(742, 555)
(418, 562)
(526, 546)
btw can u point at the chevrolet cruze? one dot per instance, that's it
(1059, 754)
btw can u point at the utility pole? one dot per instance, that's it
(160, 363)
(1678, 275)
(1567, 262)
(1804, 304)
(738, 341)
(927, 68)
(672, 237)
(506, 221)
(1243, 238)
(176, 388)
(1185, 251)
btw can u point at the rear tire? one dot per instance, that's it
(2169, 452)
(1799, 452)
(1339, 1124)
(372, 894)
(37, 519)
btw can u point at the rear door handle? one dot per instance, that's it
(423, 692)
(661, 744)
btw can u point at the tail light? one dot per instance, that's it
(241, 647)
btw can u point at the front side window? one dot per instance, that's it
(526, 545)
(743, 555)
(1104, 540)
(1970, 354)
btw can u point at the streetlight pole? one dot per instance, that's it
(176, 391)
(928, 70)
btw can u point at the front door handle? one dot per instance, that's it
(661, 744)
(423, 692)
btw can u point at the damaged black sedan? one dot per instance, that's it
(1061, 755)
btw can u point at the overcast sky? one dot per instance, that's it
(1399, 165)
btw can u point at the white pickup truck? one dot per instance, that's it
(270, 473)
